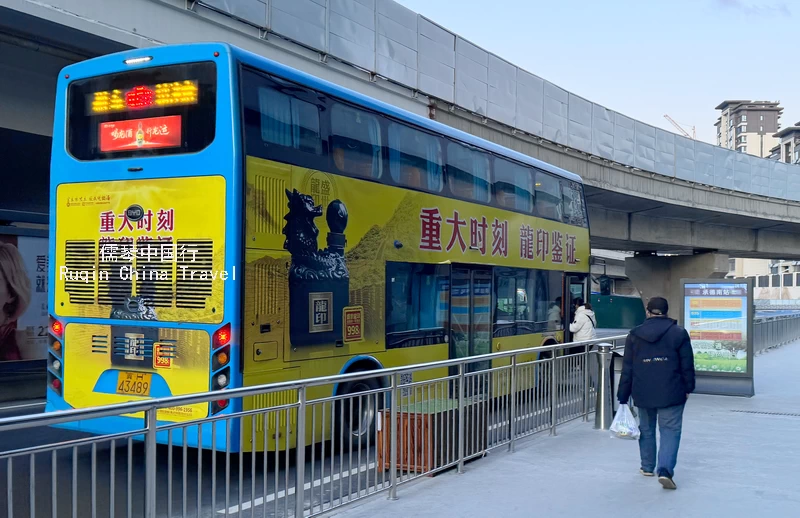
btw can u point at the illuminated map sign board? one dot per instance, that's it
(718, 315)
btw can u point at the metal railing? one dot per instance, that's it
(379, 430)
(769, 332)
(390, 427)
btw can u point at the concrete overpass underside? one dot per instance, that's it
(631, 223)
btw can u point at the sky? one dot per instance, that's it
(643, 58)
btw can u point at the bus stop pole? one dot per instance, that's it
(604, 412)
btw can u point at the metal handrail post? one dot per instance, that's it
(513, 391)
(553, 397)
(461, 398)
(586, 384)
(393, 439)
(605, 408)
(150, 469)
(300, 453)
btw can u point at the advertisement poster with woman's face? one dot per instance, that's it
(23, 298)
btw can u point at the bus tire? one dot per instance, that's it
(357, 416)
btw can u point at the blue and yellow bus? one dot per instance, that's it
(220, 220)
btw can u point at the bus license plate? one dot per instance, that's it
(134, 383)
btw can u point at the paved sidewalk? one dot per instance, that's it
(731, 463)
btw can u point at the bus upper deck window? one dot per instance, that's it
(289, 121)
(574, 209)
(415, 158)
(548, 196)
(356, 142)
(468, 172)
(513, 185)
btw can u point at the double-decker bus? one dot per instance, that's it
(220, 220)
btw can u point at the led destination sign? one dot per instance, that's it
(140, 97)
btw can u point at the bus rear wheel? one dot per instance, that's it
(357, 415)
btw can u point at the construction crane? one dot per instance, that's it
(693, 136)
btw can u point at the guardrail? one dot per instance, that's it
(776, 304)
(769, 332)
(363, 443)
(385, 432)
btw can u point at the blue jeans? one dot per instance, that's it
(670, 421)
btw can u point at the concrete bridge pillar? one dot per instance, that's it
(660, 276)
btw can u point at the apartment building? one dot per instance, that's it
(788, 147)
(749, 126)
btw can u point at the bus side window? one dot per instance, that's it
(505, 289)
(356, 142)
(549, 303)
(468, 173)
(415, 158)
(526, 301)
(513, 186)
(289, 122)
(417, 304)
(548, 196)
(574, 208)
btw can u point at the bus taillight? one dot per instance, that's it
(218, 406)
(221, 372)
(222, 354)
(222, 336)
(221, 358)
(56, 327)
(54, 383)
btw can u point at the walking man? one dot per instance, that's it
(658, 372)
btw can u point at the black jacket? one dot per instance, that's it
(658, 366)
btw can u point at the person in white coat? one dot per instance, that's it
(583, 327)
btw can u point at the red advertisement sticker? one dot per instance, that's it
(353, 324)
(130, 135)
(161, 359)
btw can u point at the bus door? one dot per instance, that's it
(471, 315)
(576, 288)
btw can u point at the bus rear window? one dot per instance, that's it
(153, 111)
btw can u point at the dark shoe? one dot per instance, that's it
(645, 472)
(667, 482)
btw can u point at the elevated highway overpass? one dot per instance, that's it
(649, 190)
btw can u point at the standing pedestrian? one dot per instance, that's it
(658, 372)
(584, 324)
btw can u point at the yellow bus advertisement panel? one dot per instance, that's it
(139, 250)
(324, 248)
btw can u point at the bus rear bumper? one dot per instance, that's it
(214, 434)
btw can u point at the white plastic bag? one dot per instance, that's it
(624, 425)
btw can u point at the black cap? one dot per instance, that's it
(657, 306)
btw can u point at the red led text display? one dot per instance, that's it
(143, 96)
